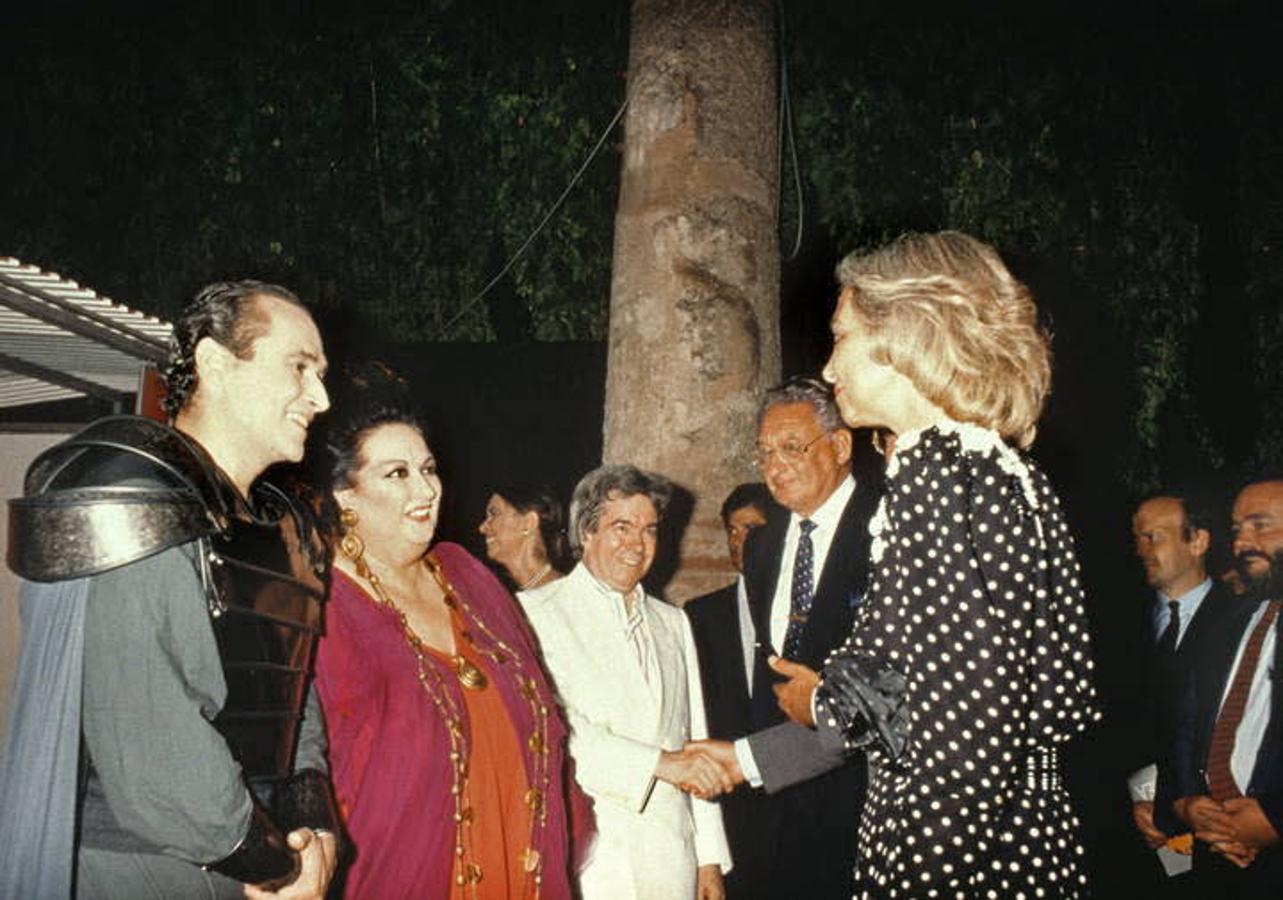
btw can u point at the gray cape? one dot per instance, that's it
(40, 766)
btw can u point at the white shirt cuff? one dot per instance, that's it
(1142, 784)
(748, 765)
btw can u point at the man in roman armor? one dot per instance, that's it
(165, 741)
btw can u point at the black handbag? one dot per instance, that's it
(866, 697)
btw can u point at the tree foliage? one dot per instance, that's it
(382, 159)
(387, 160)
(1132, 158)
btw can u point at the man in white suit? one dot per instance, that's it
(624, 664)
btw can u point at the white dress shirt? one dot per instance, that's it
(826, 520)
(1256, 714)
(1187, 605)
(748, 638)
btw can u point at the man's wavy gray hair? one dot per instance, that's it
(802, 389)
(612, 482)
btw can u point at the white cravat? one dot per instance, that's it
(629, 611)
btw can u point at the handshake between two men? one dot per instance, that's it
(708, 768)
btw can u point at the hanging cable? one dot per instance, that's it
(785, 136)
(476, 298)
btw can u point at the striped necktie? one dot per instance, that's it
(634, 629)
(1220, 780)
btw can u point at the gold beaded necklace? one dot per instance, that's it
(471, 677)
(503, 654)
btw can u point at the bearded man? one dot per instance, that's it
(1224, 778)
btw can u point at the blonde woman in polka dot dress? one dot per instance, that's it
(968, 666)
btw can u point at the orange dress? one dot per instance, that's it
(495, 791)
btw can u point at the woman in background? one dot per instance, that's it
(525, 532)
(447, 746)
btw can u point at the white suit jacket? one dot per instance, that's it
(651, 835)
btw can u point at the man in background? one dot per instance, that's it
(724, 639)
(1224, 776)
(805, 573)
(1172, 535)
(720, 622)
(625, 666)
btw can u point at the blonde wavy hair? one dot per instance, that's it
(944, 312)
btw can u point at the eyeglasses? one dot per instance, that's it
(789, 452)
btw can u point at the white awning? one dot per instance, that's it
(59, 340)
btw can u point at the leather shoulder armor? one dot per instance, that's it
(122, 489)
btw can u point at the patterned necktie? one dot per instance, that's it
(1220, 780)
(1168, 639)
(633, 629)
(802, 592)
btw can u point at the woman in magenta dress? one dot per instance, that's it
(447, 747)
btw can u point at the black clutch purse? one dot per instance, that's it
(865, 695)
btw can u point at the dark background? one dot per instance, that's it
(386, 161)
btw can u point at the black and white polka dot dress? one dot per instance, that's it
(976, 598)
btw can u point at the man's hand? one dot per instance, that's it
(1236, 829)
(1239, 854)
(721, 752)
(1249, 824)
(1206, 818)
(318, 854)
(795, 694)
(710, 883)
(694, 772)
(1143, 816)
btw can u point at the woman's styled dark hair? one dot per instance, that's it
(364, 397)
(543, 502)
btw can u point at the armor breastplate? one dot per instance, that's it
(266, 607)
(126, 488)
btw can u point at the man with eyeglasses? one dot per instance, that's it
(805, 572)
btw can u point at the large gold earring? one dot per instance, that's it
(351, 545)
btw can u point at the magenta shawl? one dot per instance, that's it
(388, 743)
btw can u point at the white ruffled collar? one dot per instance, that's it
(971, 439)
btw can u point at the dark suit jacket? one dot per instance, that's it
(802, 839)
(715, 625)
(838, 590)
(1208, 673)
(1153, 717)
(1181, 773)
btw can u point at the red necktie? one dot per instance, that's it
(1220, 780)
